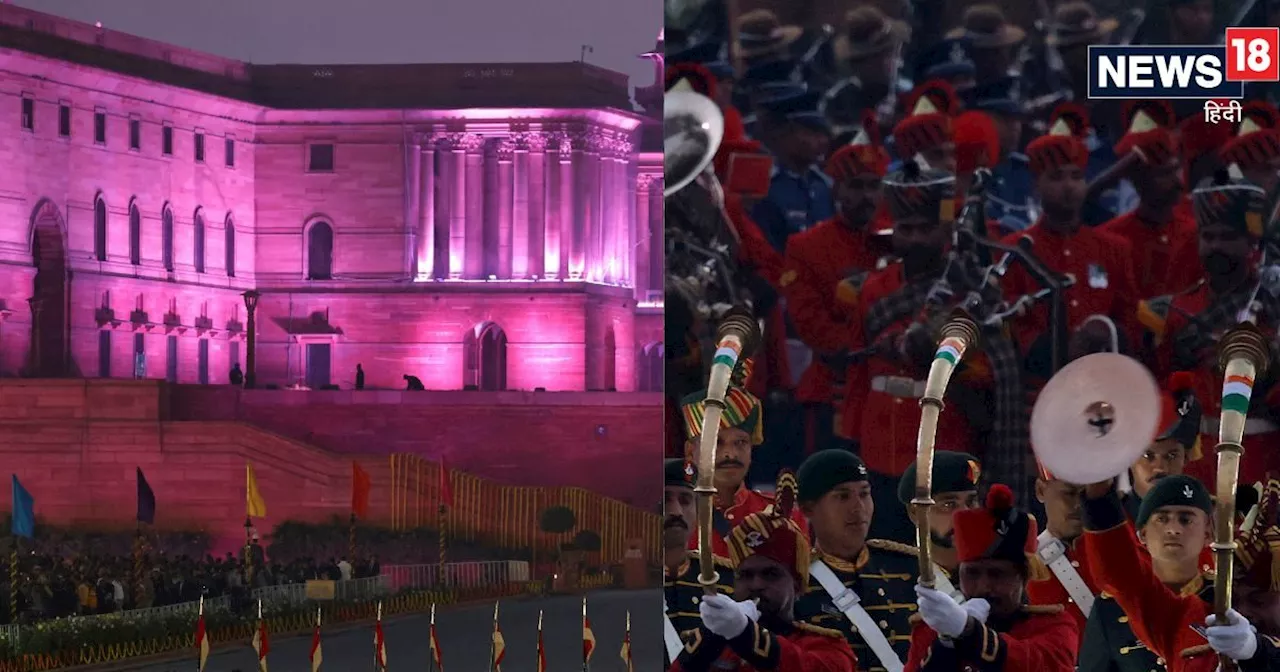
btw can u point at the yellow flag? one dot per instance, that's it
(256, 508)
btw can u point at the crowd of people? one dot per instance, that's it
(907, 158)
(67, 577)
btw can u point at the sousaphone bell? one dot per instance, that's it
(1095, 418)
(692, 128)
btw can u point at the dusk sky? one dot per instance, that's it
(388, 31)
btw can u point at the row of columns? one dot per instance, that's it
(524, 206)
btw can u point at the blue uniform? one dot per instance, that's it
(1011, 198)
(795, 203)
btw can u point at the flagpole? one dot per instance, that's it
(431, 662)
(492, 643)
(444, 543)
(13, 582)
(351, 542)
(586, 662)
(539, 664)
(137, 567)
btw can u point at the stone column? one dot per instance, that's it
(643, 242)
(580, 206)
(412, 205)
(457, 206)
(506, 204)
(657, 235)
(568, 183)
(521, 251)
(537, 216)
(426, 209)
(473, 197)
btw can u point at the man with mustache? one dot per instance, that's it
(1162, 616)
(1174, 536)
(895, 325)
(760, 631)
(993, 630)
(816, 261)
(681, 591)
(741, 430)
(955, 488)
(861, 587)
(1231, 214)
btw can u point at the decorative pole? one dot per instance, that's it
(351, 542)
(13, 583)
(137, 568)
(248, 553)
(250, 359)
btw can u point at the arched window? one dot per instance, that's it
(135, 233)
(197, 222)
(485, 356)
(320, 251)
(100, 228)
(230, 247)
(166, 236)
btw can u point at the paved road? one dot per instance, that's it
(464, 639)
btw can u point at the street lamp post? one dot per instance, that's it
(250, 359)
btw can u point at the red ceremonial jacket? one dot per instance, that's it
(1051, 590)
(888, 425)
(805, 649)
(816, 261)
(745, 503)
(1037, 643)
(1159, 250)
(1103, 270)
(1260, 456)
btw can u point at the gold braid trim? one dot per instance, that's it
(816, 630)
(896, 547)
(1041, 609)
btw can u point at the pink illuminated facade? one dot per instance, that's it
(489, 227)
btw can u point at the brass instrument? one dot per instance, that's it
(738, 337)
(1243, 354)
(1095, 418)
(958, 334)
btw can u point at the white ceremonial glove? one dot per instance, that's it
(725, 617)
(941, 612)
(1238, 640)
(979, 609)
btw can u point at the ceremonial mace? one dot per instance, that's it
(958, 334)
(1243, 355)
(738, 335)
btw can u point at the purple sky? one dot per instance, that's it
(388, 31)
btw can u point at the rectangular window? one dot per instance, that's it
(100, 127)
(64, 121)
(104, 354)
(28, 114)
(171, 361)
(139, 356)
(203, 361)
(199, 147)
(231, 153)
(166, 141)
(135, 134)
(321, 160)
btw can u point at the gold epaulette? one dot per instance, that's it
(816, 630)
(1043, 608)
(896, 547)
(1104, 595)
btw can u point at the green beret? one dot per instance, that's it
(679, 474)
(825, 469)
(952, 472)
(1174, 491)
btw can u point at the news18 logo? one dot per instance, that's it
(1186, 72)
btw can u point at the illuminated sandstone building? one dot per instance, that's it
(490, 227)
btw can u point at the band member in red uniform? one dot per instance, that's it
(816, 261)
(1176, 447)
(993, 630)
(1069, 582)
(1100, 263)
(1230, 214)
(1256, 145)
(759, 632)
(1162, 619)
(741, 430)
(893, 323)
(1158, 227)
(927, 128)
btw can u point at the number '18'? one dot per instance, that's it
(1251, 55)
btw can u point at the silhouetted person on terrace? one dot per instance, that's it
(413, 383)
(359, 377)
(236, 376)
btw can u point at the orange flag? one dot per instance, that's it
(499, 646)
(316, 657)
(260, 643)
(202, 639)
(379, 645)
(436, 656)
(588, 637)
(360, 487)
(626, 645)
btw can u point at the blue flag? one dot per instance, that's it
(24, 511)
